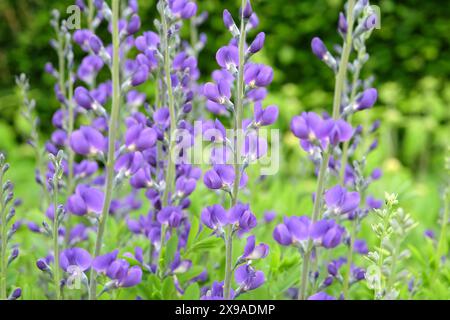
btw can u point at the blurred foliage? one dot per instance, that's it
(409, 57)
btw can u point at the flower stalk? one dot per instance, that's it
(339, 87)
(170, 176)
(238, 112)
(113, 128)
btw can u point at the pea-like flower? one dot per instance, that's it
(222, 177)
(219, 93)
(87, 141)
(86, 200)
(248, 278)
(253, 251)
(75, 259)
(257, 75)
(340, 201)
(267, 116)
(140, 138)
(183, 9)
(228, 57)
(216, 292)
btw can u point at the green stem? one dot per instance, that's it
(113, 125)
(91, 15)
(342, 72)
(315, 217)
(170, 177)
(237, 149)
(69, 133)
(344, 159)
(3, 295)
(62, 65)
(56, 271)
(346, 284)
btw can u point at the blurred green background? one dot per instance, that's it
(410, 59)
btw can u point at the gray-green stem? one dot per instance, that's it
(170, 177)
(237, 152)
(339, 87)
(113, 125)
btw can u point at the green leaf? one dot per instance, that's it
(192, 292)
(195, 228)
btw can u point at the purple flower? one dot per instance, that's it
(140, 138)
(142, 179)
(85, 168)
(102, 263)
(360, 246)
(373, 203)
(241, 216)
(307, 126)
(180, 266)
(183, 9)
(282, 235)
(83, 98)
(339, 201)
(342, 24)
(429, 234)
(321, 296)
(87, 141)
(228, 20)
(334, 266)
(171, 216)
(140, 76)
(253, 251)
(337, 131)
(185, 186)
(16, 294)
(124, 275)
(367, 99)
(328, 233)
(220, 176)
(248, 278)
(78, 233)
(129, 163)
(269, 216)
(319, 48)
(265, 117)
(228, 57)
(86, 200)
(134, 24)
(376, 174)
(72, 258)
(257, 75)
(248, 11)
(214, 217)
(216, 292)
(370, 22)
(219, 93)
(148, 41)
(258, 43)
